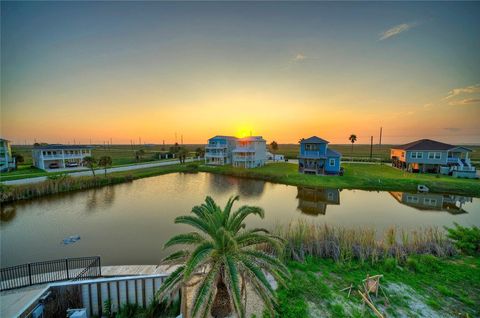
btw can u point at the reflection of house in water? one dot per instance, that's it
(247, 188)
(452, 204)
(315, 201)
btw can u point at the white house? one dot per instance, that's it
(219, 149)
(275, 157)
(7, 161)
(59, 156)
(250, 152)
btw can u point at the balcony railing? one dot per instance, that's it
(312, 153)
(216, 146)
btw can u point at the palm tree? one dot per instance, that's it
(352, 139)
(274, 147)
(231, 257)
(105, 161)
(89, 162)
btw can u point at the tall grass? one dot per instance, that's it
(342, 244)
(57, 185)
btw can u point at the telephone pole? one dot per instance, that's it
(371, 147)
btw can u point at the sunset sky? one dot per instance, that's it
(284, 70)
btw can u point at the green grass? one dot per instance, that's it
(356, 176)
(444, 286)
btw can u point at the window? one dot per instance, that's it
(431, 202)
(412, 199)
(416, 155)
(434, 155)
(331, 162)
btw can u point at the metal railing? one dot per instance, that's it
(50, 271)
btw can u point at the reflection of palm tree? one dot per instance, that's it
(226, 251)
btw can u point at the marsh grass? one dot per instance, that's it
(342, 244)
(57, 185)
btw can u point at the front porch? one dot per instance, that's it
(311, 166)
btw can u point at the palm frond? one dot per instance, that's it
(195, 222)
(185, 238)
(206, 289)
(176, 256)
(171, 283)
(238, 216)
(233, 285)
(197, 258)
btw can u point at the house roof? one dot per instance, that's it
(252, 138)
(223, 137)
(333, 153)
(59, 147)
(314, 140)
(426, 144)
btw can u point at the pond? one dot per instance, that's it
(128, 223)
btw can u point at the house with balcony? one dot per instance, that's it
(250, 152)
(453, 204)
(7, 161)
(59, 156)
(430, 156)
(316, 158)
(219, 149)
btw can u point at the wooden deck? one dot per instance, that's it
(12, 302)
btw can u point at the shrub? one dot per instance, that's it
(466, 239)
(192, 166)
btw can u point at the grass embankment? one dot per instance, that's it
(356, 176)
(66, 183)
(424, 286)
(424, 273)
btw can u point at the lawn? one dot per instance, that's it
(356, 176)
(425, 286)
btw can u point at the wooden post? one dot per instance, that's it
(371, 147)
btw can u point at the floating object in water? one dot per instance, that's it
(71, 239)
(422, 188)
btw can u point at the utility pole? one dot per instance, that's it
(380, 140)
(181, 139)
(371, 147)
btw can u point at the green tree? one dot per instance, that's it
(200, 152)
(139, 154)
(105, 162)
(352, 139)
(90, 162)
(18, 159)
(274, 148)
(230, 257)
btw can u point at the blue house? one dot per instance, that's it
(316, 158)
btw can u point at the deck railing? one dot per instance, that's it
(50, 271)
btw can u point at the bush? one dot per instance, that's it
(466, 239)
(192, 166)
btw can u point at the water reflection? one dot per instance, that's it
(450, 203)
(246, 188)
(100, 198)
(7, 213)
(314, 201)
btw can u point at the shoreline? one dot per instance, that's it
(369, 177)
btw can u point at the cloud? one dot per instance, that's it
(452, 129)
(396, 30)
(463, 90)
(465, 101)
(299, 57)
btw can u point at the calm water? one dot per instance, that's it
(128, 223)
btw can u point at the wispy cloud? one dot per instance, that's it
(466, 101)
(452, 129)
(463, 90)
(299, 57)
(396, 30)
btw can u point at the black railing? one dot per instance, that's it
(50, 271)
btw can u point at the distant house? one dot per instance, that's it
(431, 156)
(7, 161)
(250, 152)
(275, 157)
(316, 158)
(219, 150)
(59, 156)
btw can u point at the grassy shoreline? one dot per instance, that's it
(357, 176)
